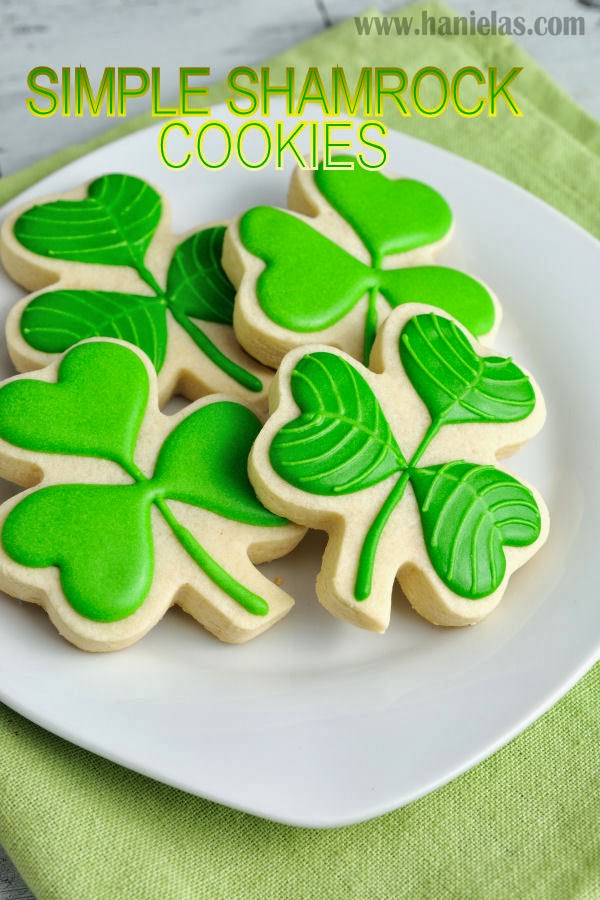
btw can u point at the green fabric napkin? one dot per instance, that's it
(524, 823)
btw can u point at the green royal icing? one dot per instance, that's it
(310, 282)
(88, 412)
(100, 536)
(481, 510)
(114, 225)
(342, 443)
(389, 215)
(56, 320)
(92, 533)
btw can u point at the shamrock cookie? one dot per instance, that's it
(398, 465)
(132, 511)
(356, 245)
(103, 263)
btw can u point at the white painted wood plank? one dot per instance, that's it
(12, 886)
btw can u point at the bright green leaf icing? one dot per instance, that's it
(389, 215)
(342, 443)
(469, 514)
(309, 282)
(92, 533)
(56, 320)
(95, 408)
(100, 536)
(458, 294)
(114, 225)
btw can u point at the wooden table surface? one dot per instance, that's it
(219, 34)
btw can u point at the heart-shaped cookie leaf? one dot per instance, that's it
(469, 513)
(454, 382)
(55, 320)
(112, 226)
(100, 538)
(341, 443)
(455, 292)
(196, 282)
(309, 283)
(389, 215)
(204, 462)
(94, 409)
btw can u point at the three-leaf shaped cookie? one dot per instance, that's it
(122, 275)
(357, 245)
(399, 466)
(134, 510)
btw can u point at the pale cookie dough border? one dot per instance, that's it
(186, 370)
(177, 579)
(304, 197)
(267, 341)
(402, 552)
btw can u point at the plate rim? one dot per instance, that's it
(548, 697)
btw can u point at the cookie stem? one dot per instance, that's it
(147, 276)
(204, 343)
(371, 323)
(366, 562)
(371, 317)
(201, 340)
(249, 600)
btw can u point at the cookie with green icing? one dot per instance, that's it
(102, 262)
(354, 245)
(399, 464)
(129, 511)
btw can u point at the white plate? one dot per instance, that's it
(317, 723)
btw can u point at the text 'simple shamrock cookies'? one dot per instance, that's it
(398, 465)
(107, 266)
(132, 511)
(357, 245)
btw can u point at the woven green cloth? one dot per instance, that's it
(525, 823)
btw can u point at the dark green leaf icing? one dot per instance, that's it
(114, 225)
(196, 282)
(469, 513)
(310, 283)
(56, 320)
(341, 443)
(100, 536)
(454, 382)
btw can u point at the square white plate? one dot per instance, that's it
(317, 723)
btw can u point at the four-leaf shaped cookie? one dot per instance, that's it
(121, 274)
(357, 245)
(133, 510)
(398, 465)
